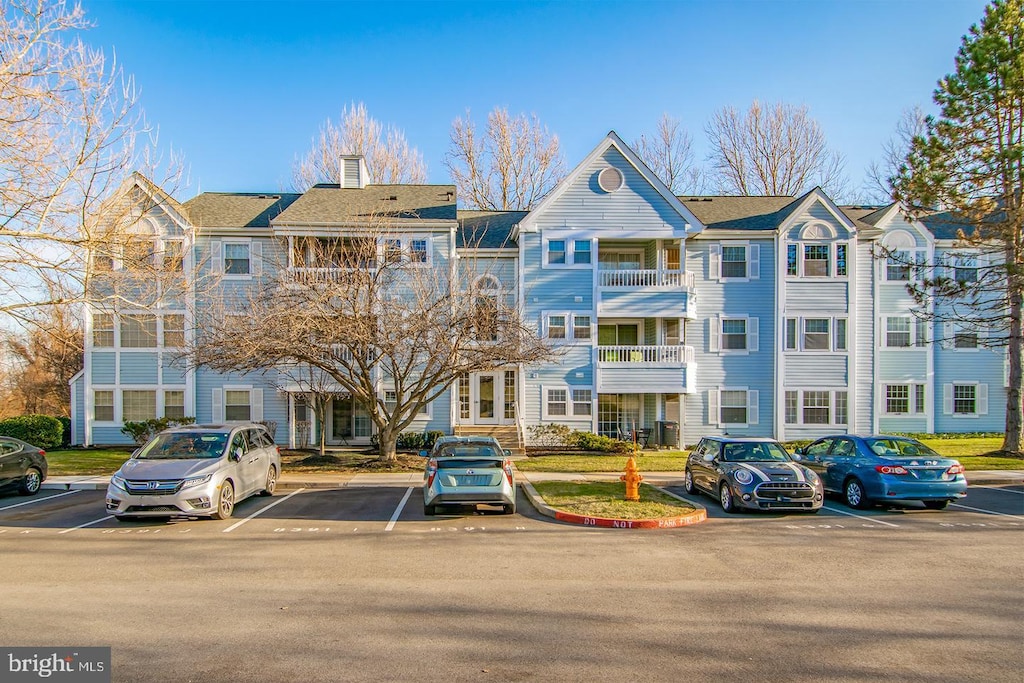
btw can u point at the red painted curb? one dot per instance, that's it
(694, 517)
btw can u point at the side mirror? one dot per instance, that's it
(797, 455)
(424, 454)
(799, 450)
(236, 454)
(508, 452)
(709, 457)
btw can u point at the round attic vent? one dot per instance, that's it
(609, 179)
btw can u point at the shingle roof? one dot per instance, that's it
(332, 204)
(237, 209)
(945, 225)
(739, 213)
(487, 229)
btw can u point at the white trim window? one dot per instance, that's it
(173, 330)
(138, 405)
(903, 265)
(139, 331)
(237, 404)
(172, 255)
(565, 252)
(904, 399)
(815, 334)
(735, 261)
(817, 260)
(733, 334)
(960, 337)
(816, 407)
(567, 401)
(103, 330)
(965, 268)
(965, 399)
(174, 404)
(237, 259)
(733, 406)
(568, 327)
(391, 402)
(903, 332)
(103, 405)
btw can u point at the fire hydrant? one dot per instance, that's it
(632, 478)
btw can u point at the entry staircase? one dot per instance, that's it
(509, 436)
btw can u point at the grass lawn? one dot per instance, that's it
(84, 461)
(605, 499)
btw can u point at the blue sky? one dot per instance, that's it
(241, 88)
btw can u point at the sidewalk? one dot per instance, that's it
(291, 482)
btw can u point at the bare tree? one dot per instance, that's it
(669, 153)
(43, 364)
(389, 330)
(510, 167)
(389, 158)
(71, 134)
(912, 124)
(773, 150)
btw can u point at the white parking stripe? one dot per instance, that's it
(987, 512)
(398, 510)
(39, 500)
(996, 488)
(869, 519)
(261, 511)
(82, 526)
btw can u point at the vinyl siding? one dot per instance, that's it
(139, 368)
(863, 335)
(825, 370)
(103, 367)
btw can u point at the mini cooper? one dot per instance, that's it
(751, 473)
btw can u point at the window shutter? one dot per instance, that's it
(714, 332)
(982, 406)
(714, 415)
(257, 405)
(754, 261)
(218, 406)
(256, 257)
(752, 334)
(752, 412)
(882, 336)
(714, 262)
(216, 257)
(947, 336)
(947, 399)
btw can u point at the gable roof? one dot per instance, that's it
(609, 141)
(326, 204)
(487, 229)
(237, 209)
(946, 225)
(738, 213)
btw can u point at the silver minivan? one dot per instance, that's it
(195, 471)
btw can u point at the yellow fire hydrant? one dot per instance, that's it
(632, 478)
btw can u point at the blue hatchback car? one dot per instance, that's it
(867, 470)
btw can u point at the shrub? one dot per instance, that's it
(65, 422)
(550, 435)
(42, 431)
(432, 436)
(411, 440)
(143, 430)
(588, 441)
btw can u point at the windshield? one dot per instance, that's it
(471, 449)
(184, 446)
(900, 448)
(753, 452)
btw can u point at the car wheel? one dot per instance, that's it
(935, 504)
(31, 482)
(688, 485)
(510, 509)
(271, 482)
(853, 493)
(725, 498)
(429, 510)
(225, 502)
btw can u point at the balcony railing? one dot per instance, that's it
(646, 278)
(651, 355)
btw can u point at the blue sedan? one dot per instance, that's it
(874, 469)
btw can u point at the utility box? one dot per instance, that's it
(668, 433)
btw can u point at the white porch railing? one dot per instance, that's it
(662, 355)
(646, 278)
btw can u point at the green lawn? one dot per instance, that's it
(75, 461)
(606, 499)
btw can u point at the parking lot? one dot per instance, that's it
(355, 583)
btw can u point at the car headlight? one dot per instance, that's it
(195, 481)
(812, 477)
(118, 481)
(742, 476)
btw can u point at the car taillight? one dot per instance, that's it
(431, 472)
(42, 452)
(508, 471)
(955, 469)
(891, 469)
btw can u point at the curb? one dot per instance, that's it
(695, 517)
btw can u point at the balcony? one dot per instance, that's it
(647, 369)
(657, 292)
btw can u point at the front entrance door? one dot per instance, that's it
(488, 401)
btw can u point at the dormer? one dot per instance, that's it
(353, 171)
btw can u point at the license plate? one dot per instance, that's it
(472, 480)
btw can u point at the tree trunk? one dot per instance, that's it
(1014, 351)
(387, 446)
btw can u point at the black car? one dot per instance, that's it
(22, 465)
(752, 473)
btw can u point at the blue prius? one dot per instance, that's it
(867, 470)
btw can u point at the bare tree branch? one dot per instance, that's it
(669, 154)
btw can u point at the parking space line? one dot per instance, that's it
(997, 488)
(261, 511)
(869, 519)
(39, 500)
(398, 510)
(82, 526)
(987, 512)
